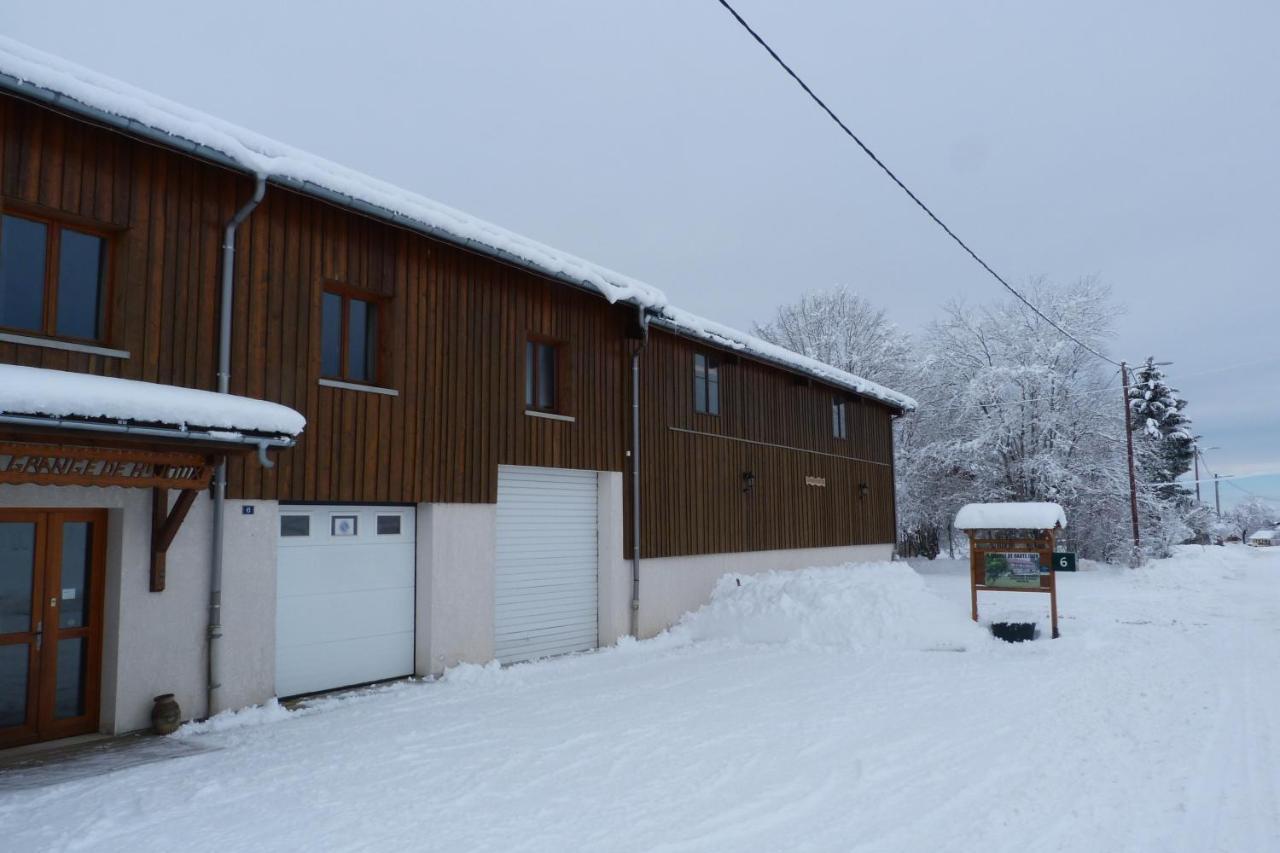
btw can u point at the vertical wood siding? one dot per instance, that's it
(778, 428)
(452, 336)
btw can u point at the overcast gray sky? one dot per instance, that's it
(1136, 141)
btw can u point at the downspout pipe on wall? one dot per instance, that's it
(642, 317)
(220, 475)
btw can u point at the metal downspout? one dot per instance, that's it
(635, 471)
(220, 475)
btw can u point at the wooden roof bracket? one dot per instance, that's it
(164, 526)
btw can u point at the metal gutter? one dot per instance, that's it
(173, 433)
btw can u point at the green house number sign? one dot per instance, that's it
(1064, 561)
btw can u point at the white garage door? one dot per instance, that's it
(344, 596)
(546, 568)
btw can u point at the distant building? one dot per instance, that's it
(1264, 538)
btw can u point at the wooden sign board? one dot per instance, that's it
(1002, 562)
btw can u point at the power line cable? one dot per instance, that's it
(904, 188)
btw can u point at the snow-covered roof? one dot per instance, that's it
(77, 89)
(1265, 535)
(1010, 516)
(61, 394)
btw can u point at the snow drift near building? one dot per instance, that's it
(858, 607)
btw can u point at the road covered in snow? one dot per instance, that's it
(846, 709)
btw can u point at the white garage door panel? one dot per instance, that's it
(344, 604)
(318, 571)
(313, 619)
(546, 582)
(350, 661)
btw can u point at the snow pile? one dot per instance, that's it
(60, 393)
(1010, 516)
(858, 607)
(270, 711)
(75, 85)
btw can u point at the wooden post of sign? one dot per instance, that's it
(973, 574)
(1053, 584)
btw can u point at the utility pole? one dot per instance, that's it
(1196, 457)
(1217, 498)
(1133, 477)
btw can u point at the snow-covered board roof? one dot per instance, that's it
(75, 88)
(61, 394)
(1010, 516)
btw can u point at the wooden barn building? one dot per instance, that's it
(431, 427)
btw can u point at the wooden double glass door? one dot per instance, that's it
(51, 594)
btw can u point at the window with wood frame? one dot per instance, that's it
(839, 418)
(53, 278)
(348, 336)
(541, 375)
(706, 384)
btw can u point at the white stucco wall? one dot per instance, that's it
(672, 586)
(457, 552)
(154, 642)
(614, 579)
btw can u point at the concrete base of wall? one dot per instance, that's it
(455, 580)
(672, 586)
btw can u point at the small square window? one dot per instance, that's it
(388, 525)
(343, 525)
(295, 525)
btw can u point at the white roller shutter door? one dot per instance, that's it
(546, 583)
(344, 596)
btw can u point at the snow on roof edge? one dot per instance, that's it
(43, 391)
(692, 325)
(1034, 515)
(101, 94)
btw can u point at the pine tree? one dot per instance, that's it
(1167, 445)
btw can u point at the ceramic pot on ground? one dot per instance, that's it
(166, 716)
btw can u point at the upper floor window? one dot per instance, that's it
(349, 337)
(541, 375)
(52, 278)
(706, 384)
(839, 419)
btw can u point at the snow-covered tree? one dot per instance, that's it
(841, 328)
(1251, 515)
(1163, 431)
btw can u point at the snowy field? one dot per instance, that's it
(849, 709)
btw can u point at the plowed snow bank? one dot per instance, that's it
(858, 606)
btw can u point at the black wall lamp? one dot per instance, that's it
(748, 481)
(864, 489)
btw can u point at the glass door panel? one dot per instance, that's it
(69, 689)
(17, 575)
(15, 660)
(20, 622)
(77, 564)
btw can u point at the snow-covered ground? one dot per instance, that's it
(852, 709)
